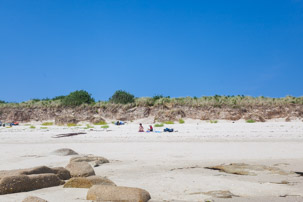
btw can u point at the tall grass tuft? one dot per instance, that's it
(100, 123)
(159, 125)
(168, 122)
(47, 124)
(181, 121)
(250, 121)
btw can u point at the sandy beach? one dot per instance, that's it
(170, 166)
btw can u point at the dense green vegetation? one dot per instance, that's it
(77, 98)
(120, 97)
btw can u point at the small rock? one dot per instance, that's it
(87, 182)
(64, 152)
(115, 193)
(89, 158)
(33, 199)
(80, 169)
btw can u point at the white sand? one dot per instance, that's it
(160, 162)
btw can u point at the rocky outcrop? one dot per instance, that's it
(96, 160)
(33, 199)
(116, 193)
(246, 169)
(220, 194)
(80, 169)
(64, 152)
(87, 182)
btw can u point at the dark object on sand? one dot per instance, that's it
(299, 173)
(168, 130)
(67, 135)
(118, 123)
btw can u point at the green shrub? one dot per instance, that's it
(47, 124)
(159, 125)
(213, 121)
(88, 126)
(122, 97)
(169, 122)
(2, 102)
(61, 97)
(100, 123)
(250, 121)
(71, 124)
(77, 98)
(105, 126)
(181, 121)
(32, 127)
(43, 127)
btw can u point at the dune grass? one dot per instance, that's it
(215, 101)
(105, 126)
(181, 121)
(250, 121)
(32, 127)
(88, 126)
(169, 122)
(71, 124)
(47, 124)
(159, 125)
(100, 123)
(43, 127)
(213, 121)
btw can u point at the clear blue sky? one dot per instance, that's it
(170, 47)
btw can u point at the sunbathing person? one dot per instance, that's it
(141, 129)
(150, 128)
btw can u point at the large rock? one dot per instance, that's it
(33, 199)
(87, 182)
(64, 152)
(98, 160)
(116, 193)
(61, 172)
(21, 183)
(80, 169)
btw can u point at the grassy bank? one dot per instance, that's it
(215, 101)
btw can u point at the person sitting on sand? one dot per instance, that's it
(141, 129)
(150, 128)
